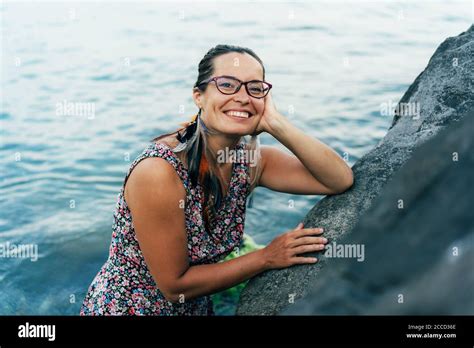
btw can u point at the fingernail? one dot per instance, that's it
(325, 240)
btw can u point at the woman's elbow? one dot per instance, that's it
(350, 179)
(347, 183)
(177, 292)
(171, 292)
(173, 297)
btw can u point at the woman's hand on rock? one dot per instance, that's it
(283, 251)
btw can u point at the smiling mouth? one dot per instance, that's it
(238, 114)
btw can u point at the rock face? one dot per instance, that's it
(438, 97)
(418, 240)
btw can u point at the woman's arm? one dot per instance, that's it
(315, 157)
(284, 172)
(314, 168)
(155, 195)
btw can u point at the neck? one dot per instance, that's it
(219, 142)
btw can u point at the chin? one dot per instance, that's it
(237, 132)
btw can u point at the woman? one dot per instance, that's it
(182, 208)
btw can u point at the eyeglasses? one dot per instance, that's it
(231, 85)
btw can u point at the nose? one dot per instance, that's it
(242, 96)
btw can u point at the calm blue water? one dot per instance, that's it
(332, 66)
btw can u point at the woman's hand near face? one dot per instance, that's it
(283, 251)
(271, 118)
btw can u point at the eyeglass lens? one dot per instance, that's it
(228, 85)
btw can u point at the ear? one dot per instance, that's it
(197, 97)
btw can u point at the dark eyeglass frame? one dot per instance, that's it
(215, 78)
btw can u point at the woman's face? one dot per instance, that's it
(216, 105)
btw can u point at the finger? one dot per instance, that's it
(301, 260)
(308, 240)
(307, 248)
(300, 226)
(307, 231)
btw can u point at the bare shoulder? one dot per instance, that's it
(267, 152)
(153, 181)
(270, 153)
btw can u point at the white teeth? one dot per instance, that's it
(238, 114)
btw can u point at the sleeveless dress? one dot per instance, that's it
(124, 284)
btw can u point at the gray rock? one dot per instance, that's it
(437, 98)
(421, 253)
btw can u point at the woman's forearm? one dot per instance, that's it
(321, 161)
(207, 279)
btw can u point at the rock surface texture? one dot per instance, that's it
(418, 240)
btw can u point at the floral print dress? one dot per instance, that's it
(124, 284)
